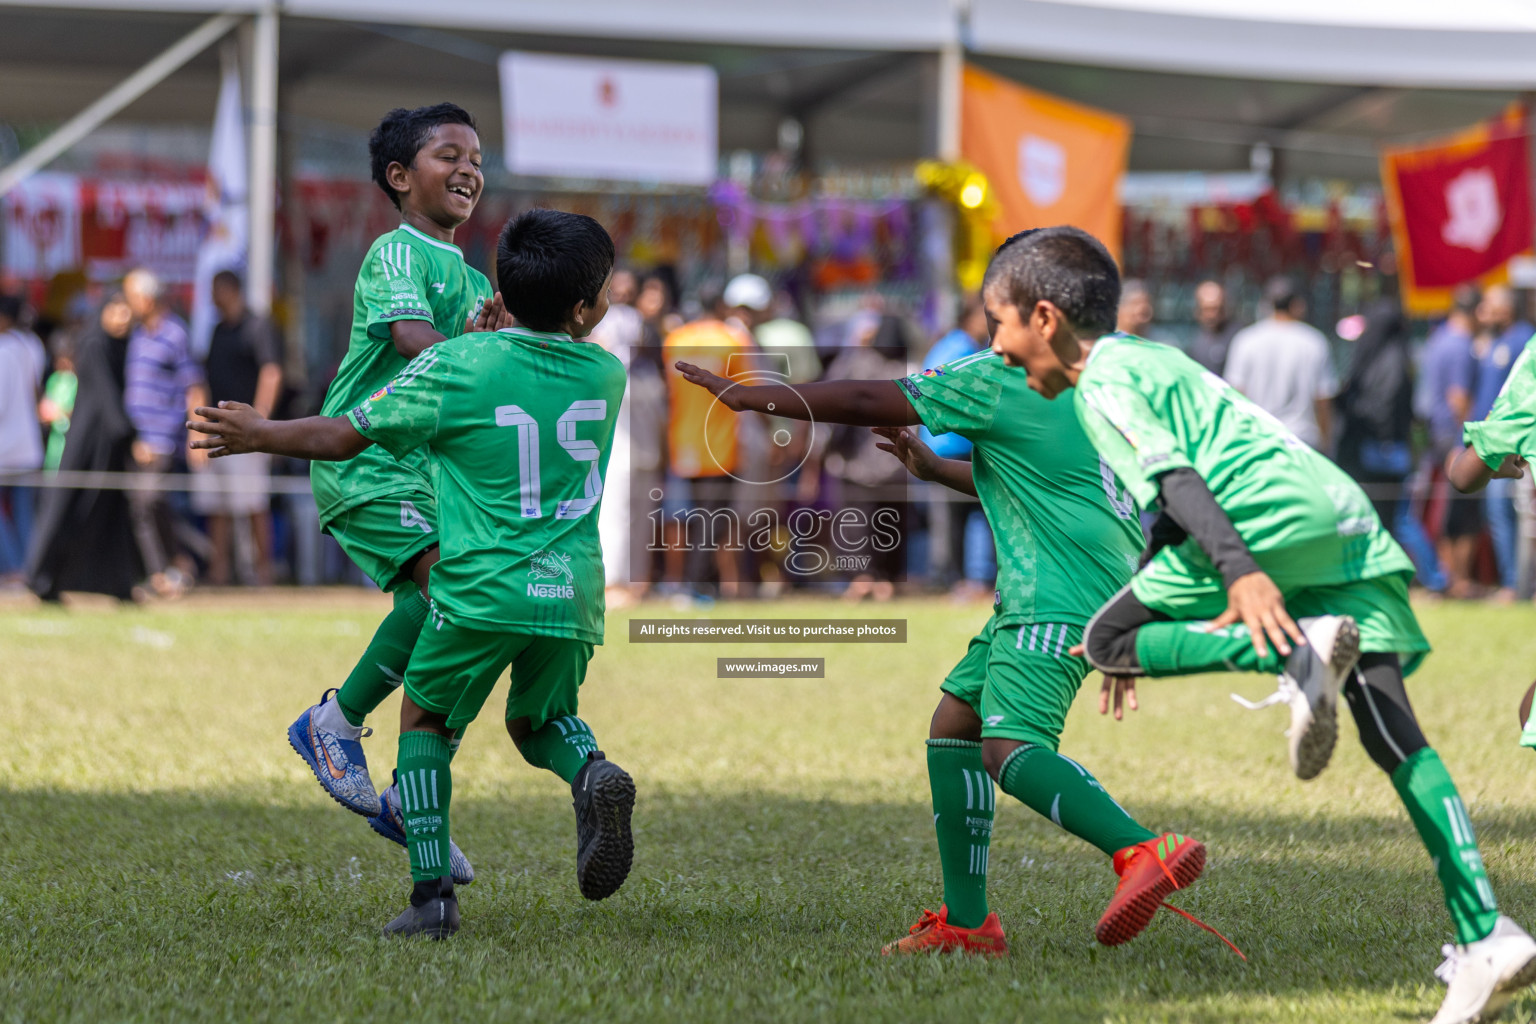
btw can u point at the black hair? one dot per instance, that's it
(401, 135)
(549, 260)
(1281, 293)
(1064, 266)
(1465, 299)
(228, 278)
(10, 307)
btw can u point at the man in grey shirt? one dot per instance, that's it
(1283, 365)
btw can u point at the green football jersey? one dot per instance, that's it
(405, 276)
(1151, 409)
(1510, 428)
(1068, 536)
(519, 425)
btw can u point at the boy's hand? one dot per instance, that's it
(721, 387)
(919, 459)
(1512, 468)
(1119, 685)
(1124, 690)
(493, 316)
(233, 428)
(1255, 601)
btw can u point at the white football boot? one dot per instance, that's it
(1314, 674)
(1483, 976)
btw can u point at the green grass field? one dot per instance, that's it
(165, 856)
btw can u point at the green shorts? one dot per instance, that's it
(383, 535)
(1378, 605)
(453, 670)
(1020, 679)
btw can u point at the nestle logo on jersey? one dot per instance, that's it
(546, 565)
(552, 590)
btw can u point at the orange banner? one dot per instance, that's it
(1049, 161)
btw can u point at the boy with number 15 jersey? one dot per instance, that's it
(519, 424)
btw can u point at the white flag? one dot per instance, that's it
(228, 212)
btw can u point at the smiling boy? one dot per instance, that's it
(519, 423)
(413, 290)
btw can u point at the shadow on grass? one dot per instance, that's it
(155, 904)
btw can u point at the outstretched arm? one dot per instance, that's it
(234, 428)
(922, 462)
(858, 403)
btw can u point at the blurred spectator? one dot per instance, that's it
(703, 450)
(1375, 405)
(1137, 312)
(58, 399)
(22, 363)
(968, 536)
(164, 386)
(869, 481)
(1504, 338)
(84, 538)
(1449, 373)
(783, 333)
(658, 301)
(1283, 365)
(747, 304)
(620, 332)
(624, 289)
(244, 364)
(1214, 328)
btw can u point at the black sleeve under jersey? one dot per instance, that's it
(1189, 509)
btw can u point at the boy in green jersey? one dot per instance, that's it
(1254, 526)
(414, 290)
(1499, 447)
(1068, 537)
(519, 423)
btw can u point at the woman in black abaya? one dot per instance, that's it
(82, 539)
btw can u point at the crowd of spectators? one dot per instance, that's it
(104, 402)
(100, 410)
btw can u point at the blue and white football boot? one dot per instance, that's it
(390, 824)
(331, 746)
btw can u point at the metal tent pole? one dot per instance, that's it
(128, 90)
(263, 150)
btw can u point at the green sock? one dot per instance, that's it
(382, 667)
(426, 785)
(561, 745)
(1441, 818)
(1185, 648)
(963, 805)
(1061, 789)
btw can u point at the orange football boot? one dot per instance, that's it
(1148, 872)
(934, 934)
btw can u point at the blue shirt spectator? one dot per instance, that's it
(160, 371)
(1493, 367)
(966, 338)
(1449, 373)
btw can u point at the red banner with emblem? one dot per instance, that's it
(1460, 208)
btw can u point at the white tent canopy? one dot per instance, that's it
(1471, 44)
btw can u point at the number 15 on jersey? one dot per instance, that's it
(530, 490)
